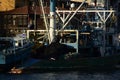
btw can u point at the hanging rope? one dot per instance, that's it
(43, 12)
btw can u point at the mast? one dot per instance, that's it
(52, 20)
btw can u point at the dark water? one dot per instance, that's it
(74, 75)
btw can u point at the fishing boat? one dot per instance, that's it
(90, 44)
(14, 50)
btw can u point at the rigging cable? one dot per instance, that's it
(41, 3)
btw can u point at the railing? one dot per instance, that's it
(68, 37)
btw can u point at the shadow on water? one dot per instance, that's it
(81, 70)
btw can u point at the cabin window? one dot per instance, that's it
(19, 44)
(68, 38)
(21, 20)
(5, 44)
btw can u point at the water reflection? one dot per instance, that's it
(64, 76)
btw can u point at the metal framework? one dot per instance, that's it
(103, 14)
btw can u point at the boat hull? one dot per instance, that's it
(14, 60)
(78, 63)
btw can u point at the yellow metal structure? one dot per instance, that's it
(6, 5)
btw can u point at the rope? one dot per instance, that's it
(41, 3)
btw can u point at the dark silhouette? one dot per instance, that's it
(54, 50)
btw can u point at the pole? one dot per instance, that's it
(52, 20)
(35, 19)
(95, 1)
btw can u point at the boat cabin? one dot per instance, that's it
(8, 45)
